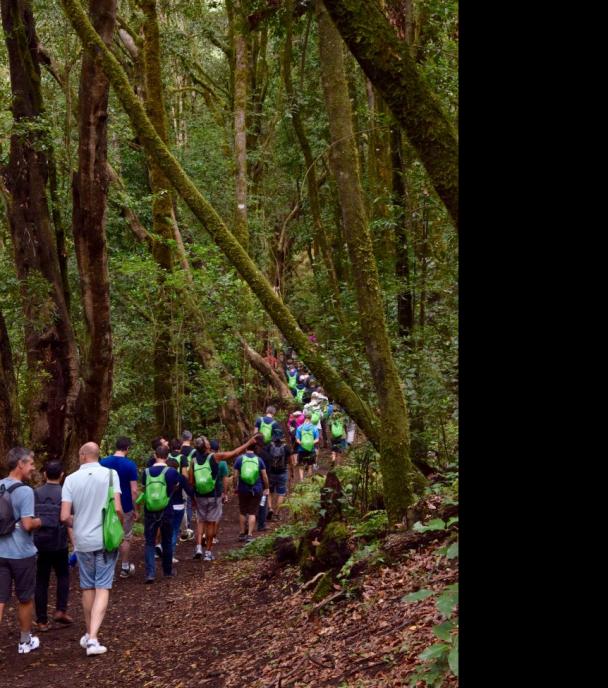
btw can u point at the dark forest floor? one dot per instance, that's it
(219, 624)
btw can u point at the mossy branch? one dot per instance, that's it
(219, 232)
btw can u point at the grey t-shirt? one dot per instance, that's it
(87, 490)
(19, 544)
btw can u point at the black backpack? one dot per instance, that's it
(7, 517)
(52, 535)
(278, 460)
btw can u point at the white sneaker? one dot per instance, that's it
(209, 555)
(216, 541)
(33, 644)
(198, 552)
(94, 648)
(175, 561)
(125, 573)
(84, 640)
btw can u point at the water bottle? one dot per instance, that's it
(263, 501)
(73, 559)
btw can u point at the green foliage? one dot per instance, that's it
(373, 525)
(372, 554)
(304, 503)
(439, 658)
(263, 546)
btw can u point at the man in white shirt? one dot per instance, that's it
(83, 498)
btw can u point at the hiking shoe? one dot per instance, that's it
(158, 551)
(32, 644)
(249, 538)
(84, 640)
(62, 618)
(242, 537)
(189, 534)
(42, 627)
(216, 541)
(198, 552)
(149, 579)
(175, 561)
(209, 556)
(125, 573)
(94, 648)
(269, 515)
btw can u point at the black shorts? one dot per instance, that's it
(306, 458)
(249, 504)
(23, 572)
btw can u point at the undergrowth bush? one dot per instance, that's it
(263, 546)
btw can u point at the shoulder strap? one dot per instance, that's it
(13, 487)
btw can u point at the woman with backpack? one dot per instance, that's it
(279, 454)
(307, 438)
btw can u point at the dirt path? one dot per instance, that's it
(166, 634)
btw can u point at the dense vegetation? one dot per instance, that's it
(241, 97)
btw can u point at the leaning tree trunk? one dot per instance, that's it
(394, 438)
(9, 406)
(51, 353)
(389, 65)
(90, 191)
(331, 379)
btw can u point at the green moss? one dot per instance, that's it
(324, 587)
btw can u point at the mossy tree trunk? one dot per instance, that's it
(223, 237)
(163, 221)
(51, 352)
(312, 184)
(9, 406)
(89, 193)
(388, 63)
(394, 439)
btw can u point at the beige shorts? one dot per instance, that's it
(128, 524)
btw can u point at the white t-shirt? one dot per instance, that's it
(87, 490)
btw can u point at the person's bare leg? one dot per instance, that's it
(98, 610)
(200, 525)
(25, 613)
(1, 610)
(242, 523)
(124, 550)
(301, 472)
(252, 520)
(209, 533)
(88, 597)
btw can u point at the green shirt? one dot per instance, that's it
(221, 474)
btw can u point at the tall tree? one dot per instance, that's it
(394, 436)
(52, 356)
(388, 63)
(9, 406)
(89, 192)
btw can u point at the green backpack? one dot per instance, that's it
(300, 394)
(292, 380)
(250, 469)
(315, 418)
(204, 481)
(337, 429)
(156, 495)
(266, 430)
(112, 530)
(307, 439)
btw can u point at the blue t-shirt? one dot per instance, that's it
(308, 426)
(127, 471)
(171, 478)
(19, 544)
(257, 488)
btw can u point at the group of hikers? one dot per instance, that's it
(184, 483)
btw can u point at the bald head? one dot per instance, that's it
(89, 453)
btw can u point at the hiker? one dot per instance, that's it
(261, 450)
(206, 476)
(159, 482)
(187, 452)
(223, 486)
(295, 420)
(266, 424)
(278, 472)
(249, 474)
(51, 541)
(17, 549)
(177, 497)
(156, 442)
(127, 474)
(291, 373)
(351, 430)
(307, 437)
(300, 392)
(83, 499)
(337, 428)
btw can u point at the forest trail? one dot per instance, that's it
(225, 624)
